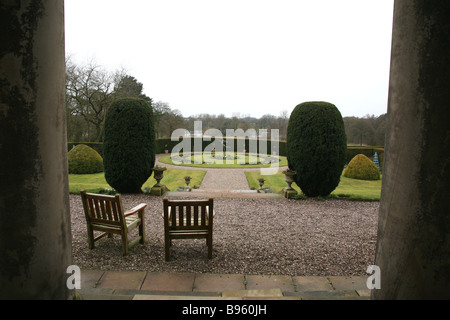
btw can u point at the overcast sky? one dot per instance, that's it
(251, 57)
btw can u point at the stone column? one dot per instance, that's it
(413, 249)
(35, 236)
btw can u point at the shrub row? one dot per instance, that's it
(166, 144)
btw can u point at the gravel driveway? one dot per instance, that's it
(252, 236)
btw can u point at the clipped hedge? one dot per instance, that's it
(167, 144)
(97, 146)
(129, 147)
(84, 160)
(368, 151)
(316, 147)
(362, 168)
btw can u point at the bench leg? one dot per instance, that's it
(91, 240)
(209, 242)
(124, 244)
(142, 233)
(167, 247)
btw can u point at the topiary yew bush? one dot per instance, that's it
(129, 147)
(362, 168)
(84, 160)
(316, 147)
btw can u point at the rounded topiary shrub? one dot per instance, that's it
(84, 160)
(129, 146)
(316, 147)
(361, 167)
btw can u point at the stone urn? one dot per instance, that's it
(158, 174)
(187, 180)
(289, 178)
(261, 182)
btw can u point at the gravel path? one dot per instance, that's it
(252, 236)
(219, 179)
(229, 179)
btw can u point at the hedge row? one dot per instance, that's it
(369, 152)
(166, 144)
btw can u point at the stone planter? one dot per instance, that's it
(158, 189)
(289, 178)
(158, 174)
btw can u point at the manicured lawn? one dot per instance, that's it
(173, 178)
(236, 163)
(349, 188)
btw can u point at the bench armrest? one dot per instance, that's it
(136, 209)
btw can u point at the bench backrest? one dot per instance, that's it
(188, 214)
(103, 209)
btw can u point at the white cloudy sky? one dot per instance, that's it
(252, 57)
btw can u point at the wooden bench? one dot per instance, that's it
(188, 219)
(105, 214)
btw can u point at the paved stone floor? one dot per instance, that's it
(117, 285)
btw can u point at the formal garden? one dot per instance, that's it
(322, 222)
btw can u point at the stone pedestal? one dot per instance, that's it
(289, 193)
(159, 190)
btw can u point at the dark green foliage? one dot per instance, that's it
(316, 147)
(129, 147)
(84, 160)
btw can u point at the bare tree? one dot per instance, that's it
(89, 91)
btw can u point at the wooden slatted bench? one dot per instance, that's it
(105, 214)
(188, 219)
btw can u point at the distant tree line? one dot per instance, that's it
(369, 130)
(91, 89)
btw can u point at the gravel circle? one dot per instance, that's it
(252, 236)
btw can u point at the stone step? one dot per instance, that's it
(263, 294)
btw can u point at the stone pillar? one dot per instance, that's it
(413, 249)
(35, 236)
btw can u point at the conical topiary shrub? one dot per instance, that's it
(375, 160)
(84, 160)
(362, 168)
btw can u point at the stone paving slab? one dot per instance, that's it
(122, 280)
(182, 298)
(349, 283)
(90, 278)
(313, 283)
(261, 282)
(181, 282)
(218, 282)
(270, 293)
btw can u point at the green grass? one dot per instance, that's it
(173, 178)
(207, 158)
(348, 188)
